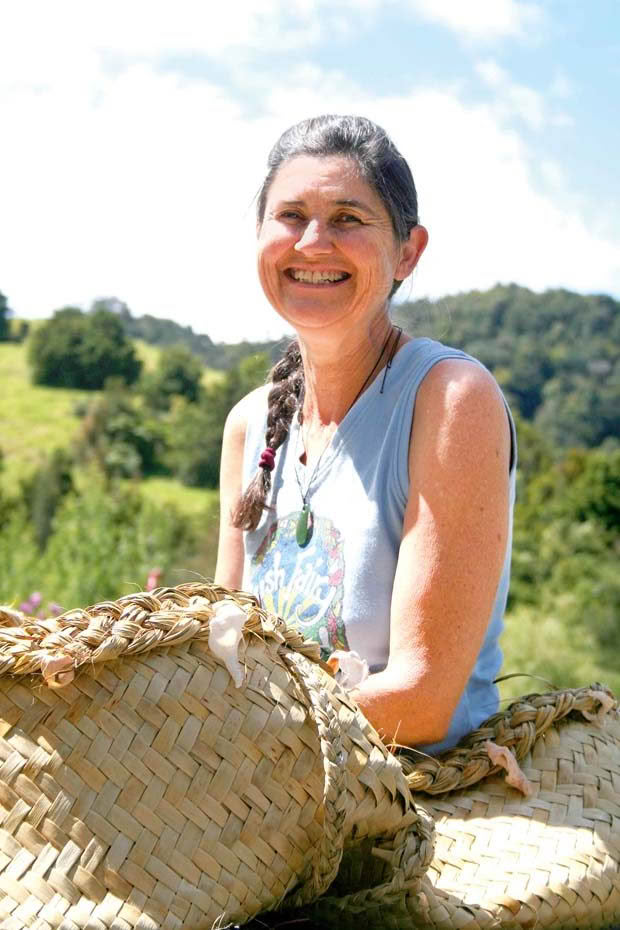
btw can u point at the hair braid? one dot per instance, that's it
(285, 397)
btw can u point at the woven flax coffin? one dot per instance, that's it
(139, 788)
(502, 859)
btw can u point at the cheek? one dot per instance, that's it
(271, 246)
(268, 253)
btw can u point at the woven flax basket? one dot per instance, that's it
(139, 788)
(502, 859)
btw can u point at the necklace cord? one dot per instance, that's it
(391, 358)
(304, 494)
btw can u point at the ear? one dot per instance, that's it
(410, 252)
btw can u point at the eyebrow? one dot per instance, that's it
(351, 202)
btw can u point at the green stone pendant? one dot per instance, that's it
(303, 531)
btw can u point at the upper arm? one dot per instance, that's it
(455, 531)
(230, 554)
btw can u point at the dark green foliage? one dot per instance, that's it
(44, 491)
(80, 350)
(4, 318)
(18, 330)
(195, 430)
(105, 540)
(195, 444)
(121, 438)
(6, 503)
(178, 374)
(220, 356)
(556, 355)
(567, 543)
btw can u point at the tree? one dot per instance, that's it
(195, 430)
(80, 350)
(179, 373)
(4, 318)
(112, 305)
(122, 439)
(556, 355)
(44, 491)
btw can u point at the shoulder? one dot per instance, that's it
(460, 381)
(459, 404)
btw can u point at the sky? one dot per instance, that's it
(134, 136)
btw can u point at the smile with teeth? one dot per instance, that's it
(317, 277)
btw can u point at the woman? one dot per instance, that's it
(368, 527)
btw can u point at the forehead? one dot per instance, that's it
(332, 177)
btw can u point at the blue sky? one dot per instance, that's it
(135, 135)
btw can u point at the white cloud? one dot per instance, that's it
(513, 99)
(44, 43)
(483, 20)
(492, 73)
(139, 184)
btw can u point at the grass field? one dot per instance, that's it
(33, 420)
(167, 491)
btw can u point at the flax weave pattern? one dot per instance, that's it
(502, 860)
(145, 792)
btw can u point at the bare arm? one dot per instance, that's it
(451, 553)
(229, 568)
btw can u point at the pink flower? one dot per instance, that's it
(153, 579)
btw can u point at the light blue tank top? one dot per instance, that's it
(337, 589)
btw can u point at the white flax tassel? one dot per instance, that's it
(225, 632)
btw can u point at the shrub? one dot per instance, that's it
(104, 542)
(80, 350)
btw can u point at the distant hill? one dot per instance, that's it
(221, 356)
(556, 354)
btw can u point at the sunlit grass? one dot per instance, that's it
(148, 354)
(553, 654)
(167, 491)
(34, 420)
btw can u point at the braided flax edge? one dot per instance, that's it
(518, 728)
(132, 625)
(329, 854)
(140, 622)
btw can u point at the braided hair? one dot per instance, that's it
(387, 172)
(284, 398)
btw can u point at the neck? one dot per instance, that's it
(335, 372)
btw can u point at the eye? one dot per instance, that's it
(290, 215)
(347, 219)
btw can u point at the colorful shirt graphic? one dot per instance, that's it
(303, 586)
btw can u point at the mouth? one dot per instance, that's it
(305, 276)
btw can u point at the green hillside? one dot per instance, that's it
(36, 420)
(33, 420)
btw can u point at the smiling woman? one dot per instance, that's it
(328, 251)
(367, 491)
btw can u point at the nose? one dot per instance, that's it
(314, 239)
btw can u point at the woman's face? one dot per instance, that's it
(327, 252)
